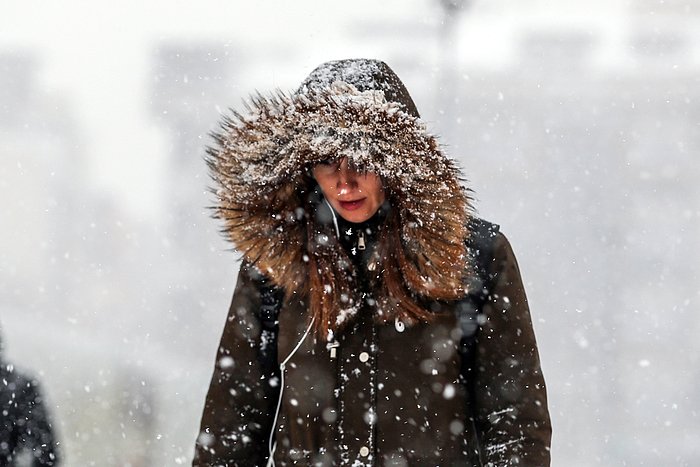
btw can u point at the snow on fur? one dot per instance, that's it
(261, 168)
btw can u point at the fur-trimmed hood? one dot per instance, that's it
(358, 109)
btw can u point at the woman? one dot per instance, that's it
(375, 320)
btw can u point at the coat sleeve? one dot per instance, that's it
(239, 407)
(511, 414)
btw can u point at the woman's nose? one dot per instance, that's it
(346, 175)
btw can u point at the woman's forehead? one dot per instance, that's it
(354, 163)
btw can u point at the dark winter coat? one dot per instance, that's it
(25, 428)
(462, 387)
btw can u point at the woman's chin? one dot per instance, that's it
(354, 216)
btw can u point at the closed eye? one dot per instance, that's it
(329, 162)
(328, 166)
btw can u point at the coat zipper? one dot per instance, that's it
(361, 241)
(333, 347)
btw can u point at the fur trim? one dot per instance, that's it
(261, 165)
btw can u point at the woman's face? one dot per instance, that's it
(354, 195)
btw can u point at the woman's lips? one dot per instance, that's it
(352, 205)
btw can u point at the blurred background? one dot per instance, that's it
(577, 124)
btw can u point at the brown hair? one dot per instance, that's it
(401, 285)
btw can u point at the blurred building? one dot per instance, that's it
(191, 88)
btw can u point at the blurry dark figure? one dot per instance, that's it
(26, 437)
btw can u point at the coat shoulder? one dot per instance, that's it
(481, 240)
(481, 231)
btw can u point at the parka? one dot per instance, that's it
(372, 383)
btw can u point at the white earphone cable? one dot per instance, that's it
(335, 219)
(273, 445)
